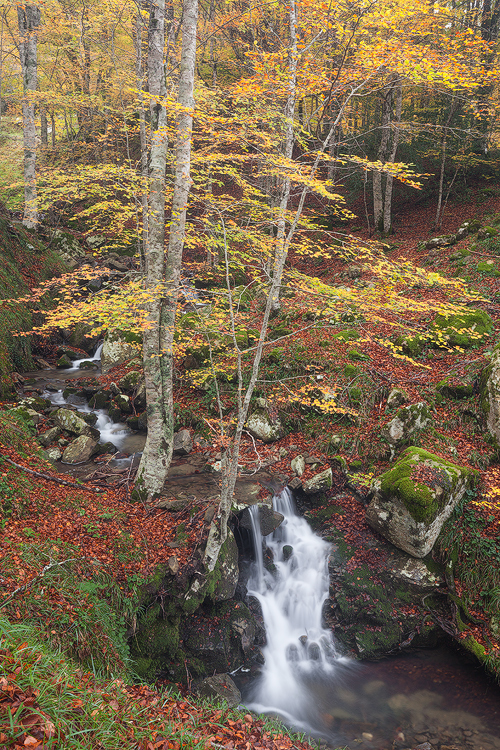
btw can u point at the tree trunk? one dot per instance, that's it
(163, 280)
(44, 131)
(28, 17)
(397, 99)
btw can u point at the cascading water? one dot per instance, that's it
(300, 652)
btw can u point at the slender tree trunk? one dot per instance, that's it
(163, 280)
(397, 98)
(53, 130)
(439, 210)
(378, 191)
(28, 20)
(44, 132)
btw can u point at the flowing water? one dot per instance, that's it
(427, 696)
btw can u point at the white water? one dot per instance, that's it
(75, 365)
(299, 650)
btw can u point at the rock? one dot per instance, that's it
(140, 397)
(220, 686)
(95, 240)
(224, 577)
(63, 363)
(115, 265)
(318, 483)
(295, 484)
(396, 398)
(79, 337)
(89, 364)
(298, 465)
(100, 400)
(183, 443)
(124, 403)
(450, 389)
(269, 519)
(414, 499)
(118, 348)
(444, 241)
(66, 351)
(462, 329)
(354, 272)
(72, 422)
(130, 381)
(34, 416)
(490, 394)
(46, 438)
(53, 454)
(80, 450)
(287, 552)
(173, 506)
(261, 426)
(173, 565)
(67, 246)
(104, 448)
(408, 421)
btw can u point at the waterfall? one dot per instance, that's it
(291, 589)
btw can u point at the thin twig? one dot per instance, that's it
(48, 476)
(22, 589)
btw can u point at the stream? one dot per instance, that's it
(432, 699)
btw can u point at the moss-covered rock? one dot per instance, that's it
(488, 268)
(407, 423)
(119, 346)
(461, 329)
(414, 498)
(452, 389)
(263, 427)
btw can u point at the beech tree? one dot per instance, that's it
(28, 21)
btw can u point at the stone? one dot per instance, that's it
(298, 465)
(115, 265)
(269, 519)
(490, 394)
(124, 403)
(48, 437)
(224, 577)
(295, 484)
(118, 348)
(67, 246)
(414, 499)
(173, 565)
(72, 422)
(409, 421)
(130, 381)
(318, 483)
(63, 363)
(140, 396)
(220, 686)
(263, 427)
(95, 240)
(89, 364)
(396, 398)
(68, 352)
(444, 241)
(173, 506)
(53, 454)
(183, 443)
(34, 416)
(80, 450)
(354, 272)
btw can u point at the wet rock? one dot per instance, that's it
(414, 498)
(318, 483)
(89, 364)
(80, 450)
(263, 427)
(105, 448)
(48, 437)
(99, 400)
(67, 351)
(63, 362)
(287, 552)
(298, 465)
(72, 422)
(269, 519)
(220, 686)
(123, 402)
(183, 443)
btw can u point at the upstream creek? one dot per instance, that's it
(425, 698)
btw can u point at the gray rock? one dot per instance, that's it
(68, 352)
(298, 465)
(123, 402)
(183, 443)
(46, 438)
(220, 686)
(116, 350)
(53, 454)
(408, 421)
(89, 364)
(318, 483)
(261, 426)
(269, 519)
(444, 241)
(397, 397)
(95, 240)
(130, 381)
(67, 246)
(295, 483)
(115, 265)
(354, 272)
(226, 572)
(80, 450)
(70, 421)
(414, 499)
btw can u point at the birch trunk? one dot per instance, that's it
(28, 17)
(163, 280)
(397, 100)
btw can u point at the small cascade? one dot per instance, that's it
(290, 580)
(96, 357)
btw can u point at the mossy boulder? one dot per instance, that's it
(407, 423)
(130, 381)
(119, 346)
(452, 389)
(262, 426)
(318, 483)
(80, 450)
(396, 398)
(462, 329)
(490, 394)
(414, 498)
(71, 422)
(224, 577)
(488, 268)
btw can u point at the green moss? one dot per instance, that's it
(351, 371)
(454, 390)
(422, 500)
(463, 329)
(357, 356)
(350, 334)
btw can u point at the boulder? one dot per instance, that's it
(462, 329)
(220, 686)
(63, 363)
(183, 443)
(318, 483)
(224, 577)
(414, 499)
(89, 364)
(490, 394)
(118, 348)
(123, 402)
(66, 351)
(130, 381)
(444, 241)
(408, 421)
(67, 246)
(72, 422)
(263, 427)
(269, 519)
(48, 437)
(80, 450)
(53, 454)
(396, 398)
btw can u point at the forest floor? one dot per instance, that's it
(53, 524)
